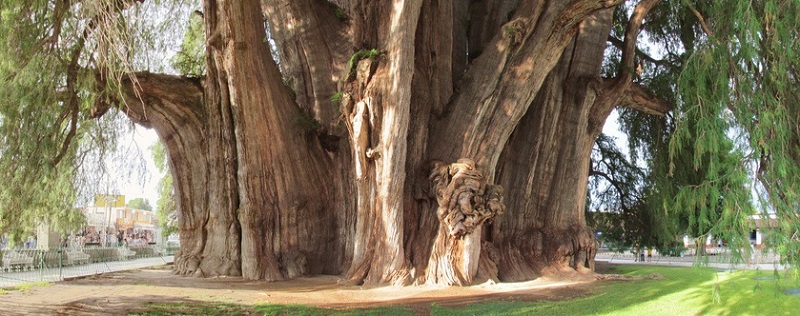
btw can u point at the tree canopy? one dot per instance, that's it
(140, 204)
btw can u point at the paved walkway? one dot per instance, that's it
(12, 279)
(721, 261)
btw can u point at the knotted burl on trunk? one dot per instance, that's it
(465, 199)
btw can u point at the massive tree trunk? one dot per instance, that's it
(376, 146)
(545, 165)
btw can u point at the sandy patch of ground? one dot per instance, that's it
(123, 292)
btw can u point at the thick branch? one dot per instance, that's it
(639, 99)
(501, 83)
(631, 34)
(152, 99)
(614, 91)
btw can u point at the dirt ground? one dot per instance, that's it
(124, 292)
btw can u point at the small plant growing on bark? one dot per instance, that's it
(307, 123)
(336, 98)
(362, 54)
(340, 14)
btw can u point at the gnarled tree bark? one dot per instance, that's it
(437, 106)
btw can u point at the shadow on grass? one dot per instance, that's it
(687, 291)
(753, 293)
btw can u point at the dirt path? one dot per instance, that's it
(123, 292)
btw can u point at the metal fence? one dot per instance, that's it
(24, 266)
(716, 255)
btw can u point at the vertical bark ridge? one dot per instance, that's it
(432, 87)
(286, 213)
(273, 156)
(553, 138)
(381, 86)
(313, 45)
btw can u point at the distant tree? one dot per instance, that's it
(140, 204)
(165, 207)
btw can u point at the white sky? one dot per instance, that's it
(146, 188)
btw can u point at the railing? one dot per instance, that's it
(713, 254)
(57, 265)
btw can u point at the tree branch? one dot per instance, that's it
(152, 99)
(641, 54)
(638, 98)
(701, 19)
(616, 90)
(492, 97)
(631, 33)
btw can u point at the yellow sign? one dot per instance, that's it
(103, 200)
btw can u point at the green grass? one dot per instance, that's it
(29, 286)
(192, 308)
(275, 310)
(686, 291)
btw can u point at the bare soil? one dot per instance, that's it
(121, 293)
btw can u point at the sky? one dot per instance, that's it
(143, 138)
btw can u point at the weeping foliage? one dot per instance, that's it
(742, 81)
(59, 62)
(697, 179)
(734, 132)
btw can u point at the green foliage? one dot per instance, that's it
(59, 70)
(741, 83)
(307, 123)
(340, 14)
(362, 54)
(190, 60)
(166, 211)
(140, 204)
(336, 98)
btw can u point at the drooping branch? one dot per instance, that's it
(700, 18)
(72, 108)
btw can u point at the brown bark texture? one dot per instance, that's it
(406, 141)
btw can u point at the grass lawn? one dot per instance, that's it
(686, 291)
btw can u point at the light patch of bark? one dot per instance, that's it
(466, 202)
